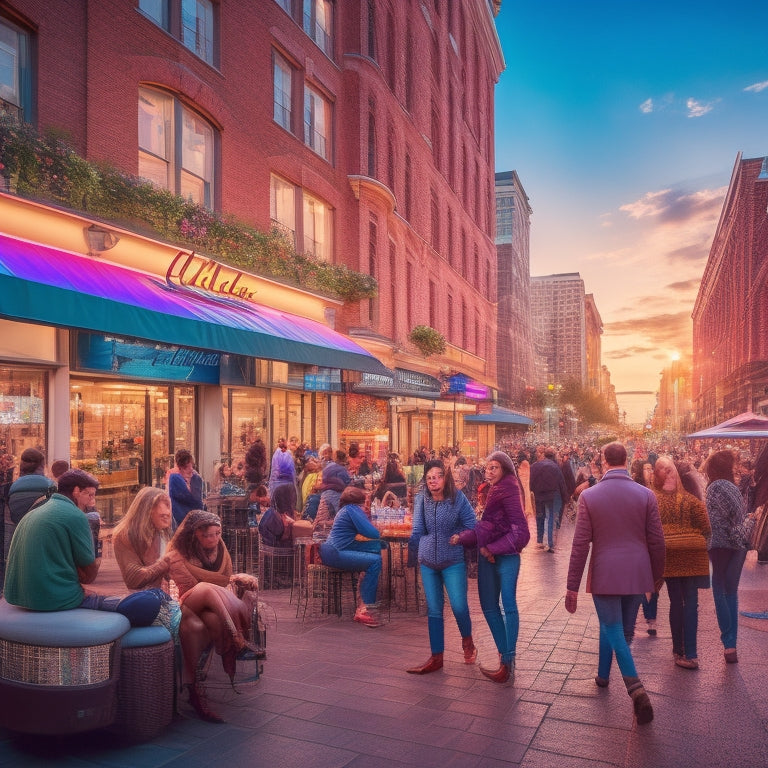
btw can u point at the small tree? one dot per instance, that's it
(427, 340)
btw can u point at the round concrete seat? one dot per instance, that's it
(58, 669)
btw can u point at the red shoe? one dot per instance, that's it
(500, 675)
(365, 618)
(470, 651)
(433, 663)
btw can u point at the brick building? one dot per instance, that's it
(730, 316)
(363, 130)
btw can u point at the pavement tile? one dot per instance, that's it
(336, 694)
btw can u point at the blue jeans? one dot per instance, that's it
(650, 607)
(351, 560)
(610, 613)
(496, 580)
(140, 608)
(629, 605)
(683, 614)
(726, 572)
(547, 513)
(454, 579)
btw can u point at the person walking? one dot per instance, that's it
(441, 511)
(500, 536)
(686, 528)
(620, 520)
(550, 494)
(726, 508)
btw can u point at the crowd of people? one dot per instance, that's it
(646, 518)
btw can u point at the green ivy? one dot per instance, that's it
(44, 167)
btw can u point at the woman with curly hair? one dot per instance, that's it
(201, 567)
(686, 571)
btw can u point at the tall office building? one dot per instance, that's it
(514, 341)
(559, 328)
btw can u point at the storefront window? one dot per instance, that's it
(23, 407)
(126, 435)
(245, 419)
(365, 422)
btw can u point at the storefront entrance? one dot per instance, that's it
(126, 434)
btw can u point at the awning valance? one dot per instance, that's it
(39, 284)
(398, 383)
(499, 415)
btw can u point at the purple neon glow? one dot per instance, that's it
(81, 274)
(476, 391)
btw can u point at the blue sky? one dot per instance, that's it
(624, 121)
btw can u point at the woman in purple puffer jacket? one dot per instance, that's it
(501, 535)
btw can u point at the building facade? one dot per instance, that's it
(361, 130)
(514, 345)
(593, 330)
(730, 316)
(559, 328)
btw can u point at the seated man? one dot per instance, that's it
(51, 557)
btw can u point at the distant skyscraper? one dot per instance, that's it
(559, 328)
(593, 331)
(514, 340)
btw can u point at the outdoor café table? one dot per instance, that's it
(402, 582)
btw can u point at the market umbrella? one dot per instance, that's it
(743, 427)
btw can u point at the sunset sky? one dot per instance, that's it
(623, 120)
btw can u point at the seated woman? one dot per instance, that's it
(210, 613)
(276, 523)
(345, 551)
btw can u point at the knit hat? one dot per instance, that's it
(503, 459)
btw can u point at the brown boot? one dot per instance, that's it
(433, 663)
(199, 702)
(470, 651)
(640, 700)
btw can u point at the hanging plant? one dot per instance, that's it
(46, 168)
(427, 340)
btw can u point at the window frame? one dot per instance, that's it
(21, 66)
(322, 36)
(312, 97)
(177, 170)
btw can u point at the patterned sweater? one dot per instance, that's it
(726, 510)
(682, 512)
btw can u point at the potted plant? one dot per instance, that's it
(427, 340)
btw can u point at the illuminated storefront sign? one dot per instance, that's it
(195, 271)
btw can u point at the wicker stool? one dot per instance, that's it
(145, 695)
(59, 669)
(275, 567)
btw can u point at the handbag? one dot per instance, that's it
(685, 541)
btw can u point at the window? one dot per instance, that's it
(393, 287)
(409, 286)
(283, 85)
(318, 20)
(450, 317)
(432, 304)
(176, 147)
(435, 136)
(391, 158)
(312, 232)
(464, 326)
(372, 138)
(408, 190)
(285, 5)
(391, 55)
(15, 76)
(371, 30)
(317, 122)
(372, 265)
(451, 257)
(434, 206)
(190, 21)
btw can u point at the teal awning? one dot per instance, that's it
(39, 284)
(499, 415)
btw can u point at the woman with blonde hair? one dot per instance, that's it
(686, 571)
(141, 538)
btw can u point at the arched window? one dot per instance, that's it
(176, 147)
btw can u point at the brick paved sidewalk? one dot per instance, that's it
(335, 694)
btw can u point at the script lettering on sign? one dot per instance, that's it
(195, 271)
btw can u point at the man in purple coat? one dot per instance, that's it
(620, 519)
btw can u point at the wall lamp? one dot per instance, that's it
(100, 239)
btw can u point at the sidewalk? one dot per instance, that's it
(335, 694)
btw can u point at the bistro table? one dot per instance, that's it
(402, 585)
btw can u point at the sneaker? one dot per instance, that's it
(687, 663)
(367, 620)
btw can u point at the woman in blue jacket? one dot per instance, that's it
(440, 512)
(343, 550)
